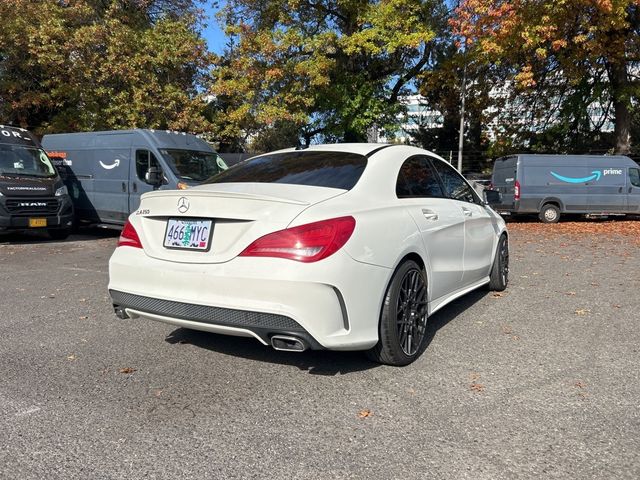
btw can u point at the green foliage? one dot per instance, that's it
(561, 57)
(333, 68)
(101, 64)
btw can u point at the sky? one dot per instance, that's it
(214, 36)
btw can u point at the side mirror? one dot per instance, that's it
(492, 197)
(154, 176)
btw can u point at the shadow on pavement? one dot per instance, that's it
(31, 237)
(314, 362)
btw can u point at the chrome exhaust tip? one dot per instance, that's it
(284, 343)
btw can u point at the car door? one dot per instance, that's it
(441, 223)
(633, 191)
(479, 234)
(144, 159)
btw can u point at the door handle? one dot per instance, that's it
(135, 187)
(467, 212)
(429, 214)
(620, 190)
(124, 187)
(630, 188)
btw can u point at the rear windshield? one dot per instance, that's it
(317, 169)
(193, 165)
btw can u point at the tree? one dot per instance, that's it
(333, 68)
(101, 64)
(564, 55)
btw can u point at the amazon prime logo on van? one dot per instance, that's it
(115, 163)
(183, 204)
(595, 175)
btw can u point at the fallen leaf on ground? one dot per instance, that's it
(71, 357)
(127, 370)
(477, 387)
(84, 317)
(580, 384)
(570, 293)
(582, 311)
(365, 413)
(497, 294)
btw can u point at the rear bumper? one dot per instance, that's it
(333, 304)
(261, 326)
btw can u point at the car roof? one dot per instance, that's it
(365, 149)
(359, 148)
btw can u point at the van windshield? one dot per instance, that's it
(193, 165)
(21, 161)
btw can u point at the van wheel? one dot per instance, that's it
(549, 214)
(403, 320)
(499, 277)
(59, 234)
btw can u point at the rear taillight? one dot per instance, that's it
(306, 243)
(516, 191)
(129, 237)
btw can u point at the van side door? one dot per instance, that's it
(607, 191)
(110, 184)
(633, 190)
(143, 160)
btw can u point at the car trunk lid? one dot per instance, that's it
(240, 213)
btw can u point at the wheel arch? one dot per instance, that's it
(552, 201)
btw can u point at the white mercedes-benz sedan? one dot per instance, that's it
(340, 247)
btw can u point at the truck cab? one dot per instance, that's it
(32, 194)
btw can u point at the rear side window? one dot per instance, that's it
(454, 185)
(417, 179)
(634, 176)
(317, 169)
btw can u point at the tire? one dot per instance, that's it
(59, 234)
(499, 277)
(406, 297)
(549, 214)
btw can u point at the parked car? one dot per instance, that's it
(341, 247)
(32, 195)
(552, 185)
(107, 172)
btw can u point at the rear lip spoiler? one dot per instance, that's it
(202, 193)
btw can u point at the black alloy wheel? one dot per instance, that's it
(403, 320)
(499, 277)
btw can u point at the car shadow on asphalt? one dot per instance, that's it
(32, 237)
(314, 362)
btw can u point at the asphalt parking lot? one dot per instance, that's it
(541, 381)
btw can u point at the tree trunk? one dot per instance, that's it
(619, 91)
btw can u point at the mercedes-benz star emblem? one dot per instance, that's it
(183, 204)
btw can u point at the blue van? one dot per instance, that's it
(107, 172)
(552, 185)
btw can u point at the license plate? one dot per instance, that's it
(188, 234)
(37, 222)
